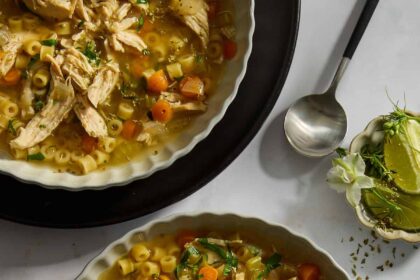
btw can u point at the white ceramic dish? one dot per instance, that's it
(278, 235)
(176, 148)
(373, 134)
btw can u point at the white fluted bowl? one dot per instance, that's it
(177, 147)
(373, 134)
(302, 248)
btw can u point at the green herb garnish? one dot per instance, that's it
(226, 255)
(38, 156)
(91, 53)
(11, 128)
(38, 105)
(394, 121)
(49, 43)
(375, 164)
(272, 263)
(146, 52)
(80, 24)
(199, 59)
(142, 1)
(33, 60)
(140, 23)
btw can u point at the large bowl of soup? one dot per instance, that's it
(94, 95)
(212, 246)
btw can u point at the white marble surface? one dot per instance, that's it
(268, 179)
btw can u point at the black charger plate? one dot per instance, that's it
(274, 43)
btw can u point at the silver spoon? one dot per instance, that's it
(315, 125)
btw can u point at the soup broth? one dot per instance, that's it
(208, 256)
(95, 83)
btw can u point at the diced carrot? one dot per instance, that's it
(162, 111)
(89, 143)
(308, 271)
(192, 87)
(185, 237)
(158, 82)
(12, 78)
(230, 48)
(208, 273)
(213, 9)
(130, 129)
(147, 26)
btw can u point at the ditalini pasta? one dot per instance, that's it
(201, 255)
(98, 84)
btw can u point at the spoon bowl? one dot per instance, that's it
(315, 125)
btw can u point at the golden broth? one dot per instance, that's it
(157, 93)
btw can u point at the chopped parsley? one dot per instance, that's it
(142, 1)
(11, 127)
(199, 59)
(272, 263)
(226, 255)
(49, 43)
(91, 53)
(147, 52)
(140, 23)
(80, 24)
(38, 156)
(38, 105)
(34, 59)
(42, 126)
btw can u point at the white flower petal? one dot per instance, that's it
(353, 196)
(363, 182)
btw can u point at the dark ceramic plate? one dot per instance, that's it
(274, 43)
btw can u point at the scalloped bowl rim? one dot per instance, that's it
(202, 215)
(363, 217)
(69, 182)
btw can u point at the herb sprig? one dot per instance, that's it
(394, 121)
(226, 255)
(375, 163)
(272, 263)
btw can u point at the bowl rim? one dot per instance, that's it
(70, 182)
(363, 217)
(196, 215)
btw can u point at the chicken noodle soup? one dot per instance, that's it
(87, 83)
(210, 256)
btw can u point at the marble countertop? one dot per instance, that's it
(269, 180)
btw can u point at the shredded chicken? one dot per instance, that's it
(151, 130)
(103, 84)
(91, 120)
(60, 102)
(194, 14)
(77, 67)
(54, 9)
(10, 46)
(178, 103)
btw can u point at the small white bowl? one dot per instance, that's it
(279, 236)
(171, 151)
(373, 134)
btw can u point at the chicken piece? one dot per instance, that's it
(150, 131)
(52, 9)
(76, 66)
(91, 120)
(194, 14)
(106, 8)
(82, 11)
(128, 38)
(60, 102)
(27, 98)
(195, 106)
(122, 12)
(10, 46)
(179, 103)
(124, 24)
(103, 84)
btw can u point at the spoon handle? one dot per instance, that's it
(362, 23)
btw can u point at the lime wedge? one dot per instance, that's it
(402, 156)
(392, 208)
